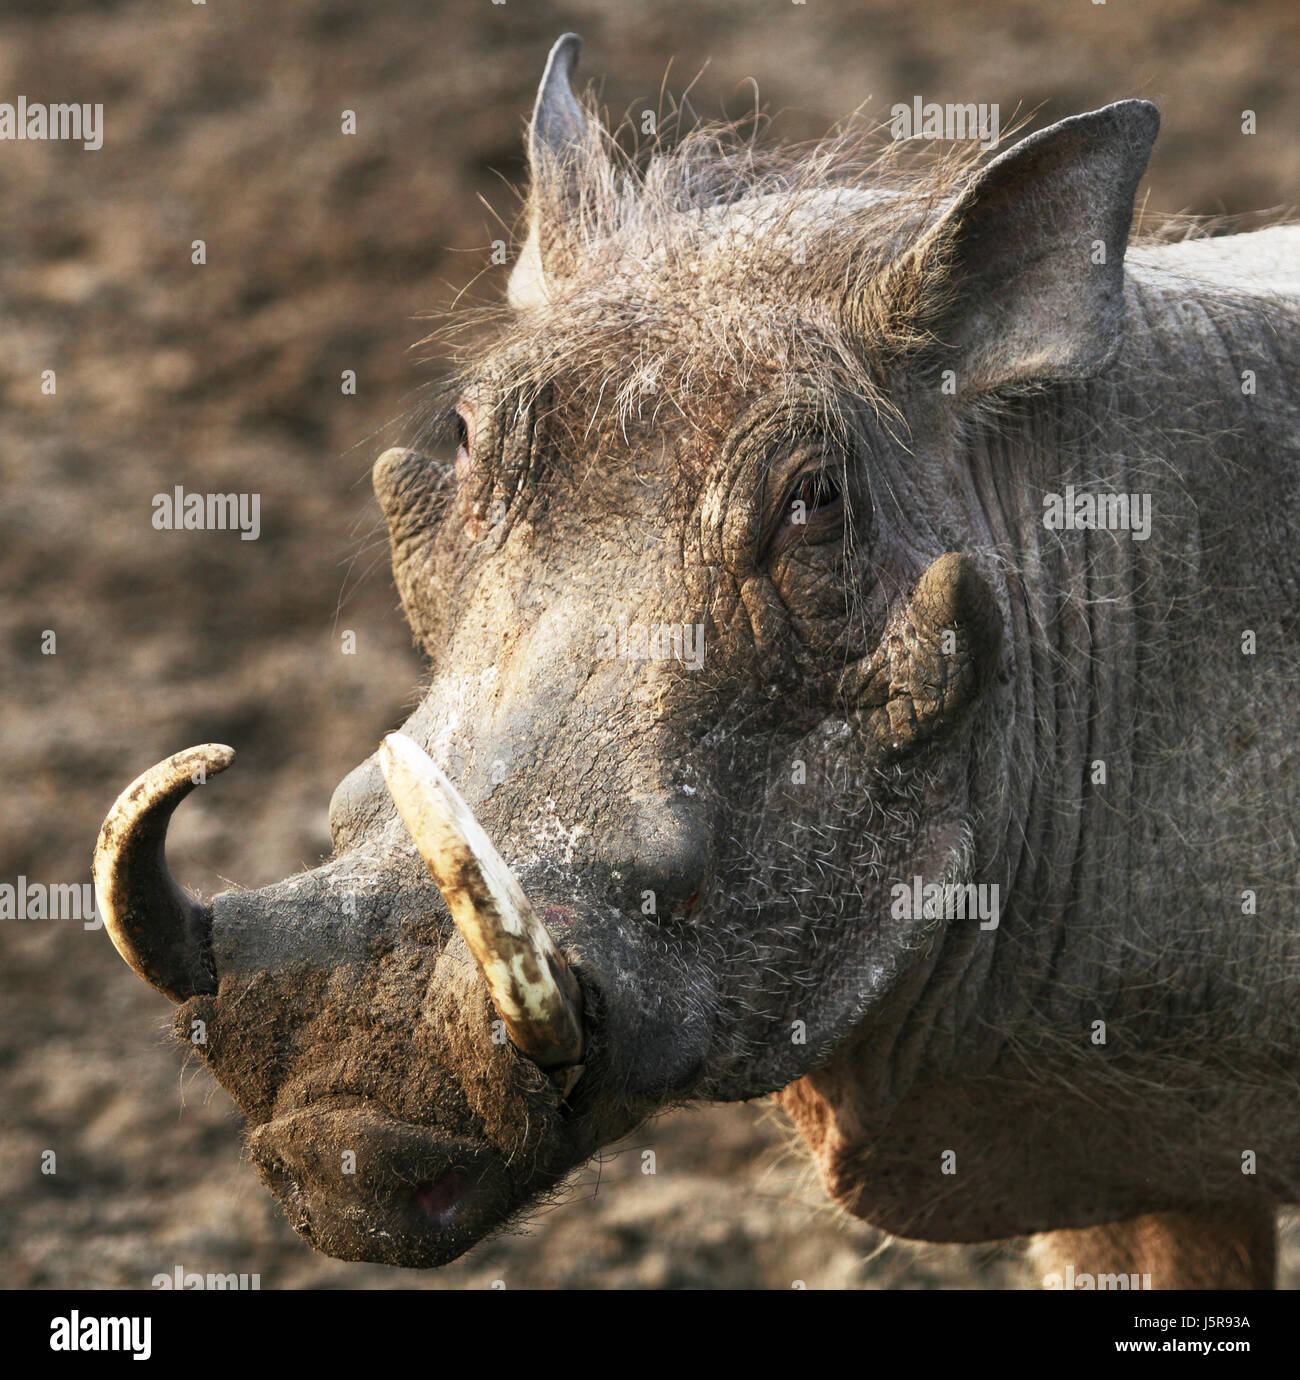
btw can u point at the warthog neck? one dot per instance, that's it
(1153, 662)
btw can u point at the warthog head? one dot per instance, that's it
(717, 659)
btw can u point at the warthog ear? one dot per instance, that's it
(1023, 277)
(559, 140)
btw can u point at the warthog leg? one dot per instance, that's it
(1223, 1248)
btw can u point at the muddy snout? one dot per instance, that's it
(360, 1184)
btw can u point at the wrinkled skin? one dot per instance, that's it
(833, 742)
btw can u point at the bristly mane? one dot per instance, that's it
(711, 240)
(690, 266)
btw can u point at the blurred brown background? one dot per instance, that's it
(222, 123)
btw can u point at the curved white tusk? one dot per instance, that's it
(162, 933)
(527, 978)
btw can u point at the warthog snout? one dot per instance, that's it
(362, 1185)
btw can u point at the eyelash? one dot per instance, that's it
(818, 490)
(460, 429)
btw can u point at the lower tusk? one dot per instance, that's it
(530, 984)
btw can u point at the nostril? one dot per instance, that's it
(440, 1197)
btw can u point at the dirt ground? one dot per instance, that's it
(324, 251)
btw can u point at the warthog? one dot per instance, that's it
(805, 739)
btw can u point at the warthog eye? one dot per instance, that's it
(461, 420)
(815, 493)
(813, 510)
